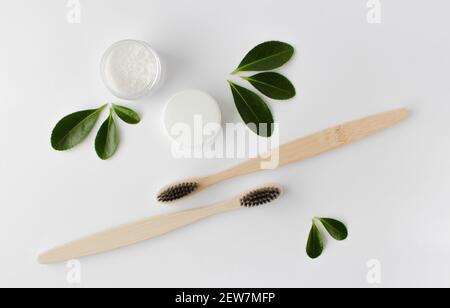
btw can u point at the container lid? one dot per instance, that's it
(192, 118)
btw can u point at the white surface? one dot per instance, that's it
(192, 118)
(130, 69)
(391, 190)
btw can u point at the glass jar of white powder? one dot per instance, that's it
(131, 69)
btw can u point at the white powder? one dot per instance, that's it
(130, 69)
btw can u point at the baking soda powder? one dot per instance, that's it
(130, 69)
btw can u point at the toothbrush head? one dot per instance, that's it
(177, 191)
(260, 196)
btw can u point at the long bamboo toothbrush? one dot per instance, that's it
(294, 151)
(155, 226)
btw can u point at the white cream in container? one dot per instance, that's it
(131, 69)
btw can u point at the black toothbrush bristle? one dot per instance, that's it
(260, 196)
(177, 192)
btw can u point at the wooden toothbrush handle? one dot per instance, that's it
(316, 144)
(335, 137)
(133, 233)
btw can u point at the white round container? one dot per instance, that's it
(192, 118)
(130, 69)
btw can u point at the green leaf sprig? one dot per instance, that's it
(265, 57)
(73, 129)
(107, 139)
(272, 85)
(252, 108)
(315, 245)
(126, 114)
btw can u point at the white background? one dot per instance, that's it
(392, 189)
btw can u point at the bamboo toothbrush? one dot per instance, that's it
(294, 151)
(155, 226)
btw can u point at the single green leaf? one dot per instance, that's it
(74, 128)
(126, 114)
(314, 247)
(335, 228)
(272, 85)
(253, 110)
(265, 57)
(107, 139)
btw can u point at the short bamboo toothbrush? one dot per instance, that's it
(294, 151)
(155, 226)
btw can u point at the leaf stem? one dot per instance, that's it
(102, 107)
